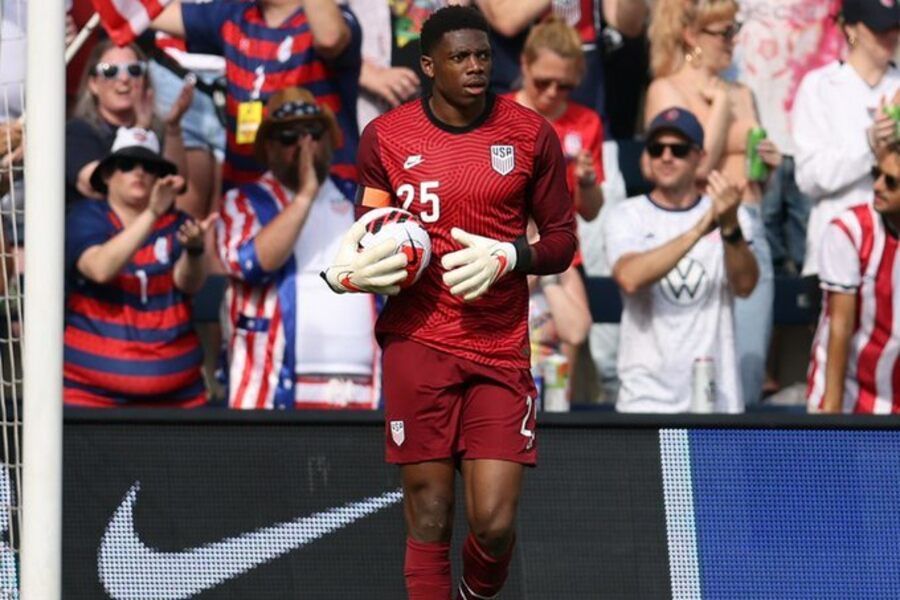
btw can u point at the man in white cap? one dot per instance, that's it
(132, 262)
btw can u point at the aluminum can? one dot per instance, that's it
(703, 389)
(757, 170)
(556, 383)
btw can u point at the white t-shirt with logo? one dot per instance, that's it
(685, 316)
(334, 332)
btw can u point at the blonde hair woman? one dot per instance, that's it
(691, 44)
(115, 92)
(553, 64)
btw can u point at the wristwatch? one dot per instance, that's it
(734, 236)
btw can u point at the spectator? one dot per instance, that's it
(203, 133)
(552, 66)
(13, 40)
(626, 65)
(382, 85)
(604, 337)
(390, 72)
(691, 45)
(558, 315)
(680, 258)
(840, 119)
(511, 19)
(115, 93)
(295, 344)
(269, 45)
(132, 262)
(855, 357)
(12, 151)
(780, 41)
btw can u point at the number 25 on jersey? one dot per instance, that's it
(429, 209)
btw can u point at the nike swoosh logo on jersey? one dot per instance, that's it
(130, 569)
(412, 161)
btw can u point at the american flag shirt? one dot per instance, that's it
(284, 326)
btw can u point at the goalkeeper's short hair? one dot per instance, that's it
(447, 19)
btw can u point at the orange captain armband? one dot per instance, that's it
(372, 197)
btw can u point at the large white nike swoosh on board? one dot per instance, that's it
(129, 570)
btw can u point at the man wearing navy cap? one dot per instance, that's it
(680, 257)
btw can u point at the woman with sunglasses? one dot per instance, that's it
(115, 92)
(552, 66)
(133, 261)
(691, 44)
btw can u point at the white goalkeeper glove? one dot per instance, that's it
(481, 262)
(376, 270)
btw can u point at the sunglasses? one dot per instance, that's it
(127, 165)
(890, 182)
(562, 86)
(728, 34)
(290, 136)
(678, 150)
(111, 70)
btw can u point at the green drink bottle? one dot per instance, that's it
(757, 170)
(893, 111)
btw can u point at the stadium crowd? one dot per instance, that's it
(711, 147)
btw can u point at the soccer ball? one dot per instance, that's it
(401, 225)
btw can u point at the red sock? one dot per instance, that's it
(427, 570)
(483, 574)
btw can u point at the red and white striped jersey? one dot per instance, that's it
(859, 256)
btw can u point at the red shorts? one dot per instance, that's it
(441, 406)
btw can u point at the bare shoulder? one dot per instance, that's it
(664, 92)
(665, 87)
(743, 99)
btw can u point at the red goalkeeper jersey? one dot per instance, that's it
(486, 178)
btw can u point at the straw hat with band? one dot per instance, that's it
(293, 105)
(139, 145)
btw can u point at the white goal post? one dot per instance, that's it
(45, 96)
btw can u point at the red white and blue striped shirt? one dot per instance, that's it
(286, 332)
(130, 341)
(260, 60)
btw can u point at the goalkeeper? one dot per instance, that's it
(458, 390)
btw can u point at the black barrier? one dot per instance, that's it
(796, 300)
(218, 504)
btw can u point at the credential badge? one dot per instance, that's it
(503, 159)
(397, 433)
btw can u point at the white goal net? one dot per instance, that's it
(12, 86)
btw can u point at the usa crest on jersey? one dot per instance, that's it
(397, 432)
(503, 159)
